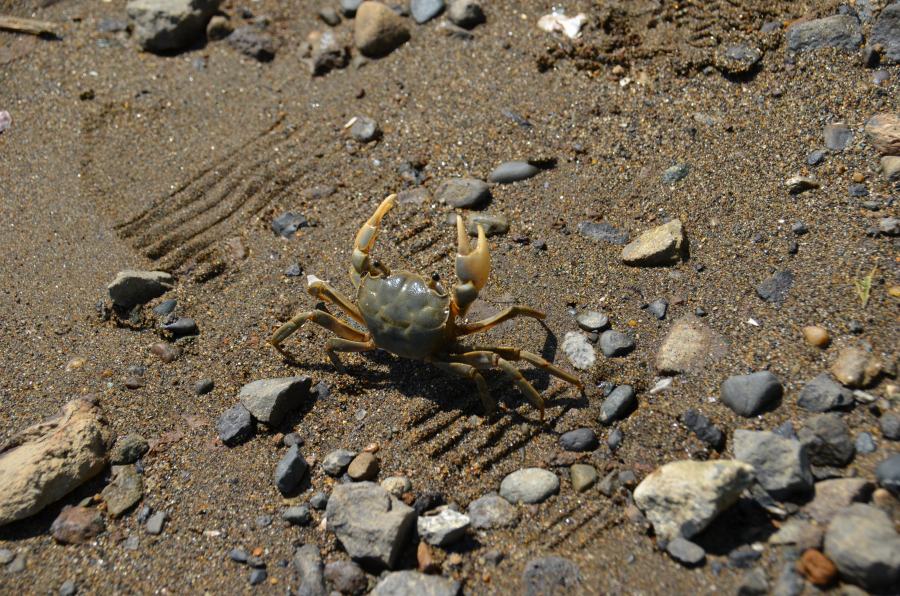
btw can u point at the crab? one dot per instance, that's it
(413, 317)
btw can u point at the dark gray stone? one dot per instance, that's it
(838, 31)
(550, 575)
(203, 386)
(705, 430)
(748, 395)
(346, 577)
(614, 343)
(463, 192)
(235, 425)
(319, 501)
(308, 563)
(886, 32)
(603, 232)
(890, 426)
(862, 543)
(258, 576)
(686, 552)
(888, 473)
(270, 400)
(238, 555)
(754, 583)
(580, 439)
(252, 42)
(128, 449)
(615, 438)
(424, 10)
(124, 492)
(297, 516)
(165, 307)
(775, 288)
(512, 171)
(287, 224)
(290, 470)
(492, 511)
(827, 440)
(781, 465)
(823, 394)
(131, 288)
(618, 405)
(182, 326)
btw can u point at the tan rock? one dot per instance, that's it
(48, 460)
(816, 567)
(689, 346)
(75, 525)
(661, 245)
(378, 29)
(883, 131)
(856, 367)
(816, 336)
(890, 166)
(363, 467)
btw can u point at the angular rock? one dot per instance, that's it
(890, 426)
(883, 131)
(836, 494)
(442, 529)
(156, 522)
(269, 400)
(837, 136)
(689, 346)
(346, 577)
(781, 465)
(492, 511)
(124, 492)
(705, 430)
(614, 343)
(550, 575)
(775, 288)
(827, 440)
(424, 10)
(75, 525)
(169, 25)
(686, 552)
(822, 394)
(378, 30)
(372, 525)
(512, 171)
(465, 13)
(582, 476)
(252, 42)
(466, 193)
(235, 425)
(856, 367)
(297, 516)
(308, 563)
(396, 485)
(130, 287)
(578, 350)
(886, 32)
(754, 583)
(326, 53)
(287, 224)
(618, 405)
(749, 395)
(862, 542)
(413, 583)
(681, 498)
(128, 450)
(838, 31)
(336, 462)
(290, 470)
(661, 245)
(658, 308)
(602, 232)
(529, 485)
(46, 461)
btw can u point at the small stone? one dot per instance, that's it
(889, 226)
(890, 426)
(181, 326)
(250, 41)
(754, 583)
(349, 7)
(308, 563)
(856, 367)
(364, 130)
(397, 485)
(738, 60)
(6, 556)
(203, 386)
(689, 346)
(124, 492)
(590, 320)
(550, 575)
(156, 522)
(319, 501)
(658, 308)
(618, 405)
(890, 167)
(218, 28)
(492, 511)
(363, 467)
(837, 31)
(815, 158)
(837, 136)
(816, 336)
(749, 395)
(578, 350)
(131, 288)
(799, 184)
(781, 465)
(336, 462)
(614, 343)
(414, 196)
(297, 516)
(378, 30)
(465, 13)
(443, 529)
(580, 439)
(324, 53)
(165, 307)
(290, 470)
(888, 473)
(169, 26)
(468, 193)
(529, 485)
(76, 525)
(865, 443)
(270, 400)
(329, 16)
(862, 543)
(686, 552)
(883, 131)
(858, 190)
(68, 588)
(886, 32)
(258, 576)
(287, 224)
(705, 430)
(675, 173)
(661, 245)
(346, 577)
(775, 288)
(413, 583)
(512, 171)
(128, 449)
(424, 10)
(822, 394)
(602, 232)
(804, 534)
(817, 568)
(582, 476)
(235, 425)
(615, 438)
(827, 440)
(835, 494)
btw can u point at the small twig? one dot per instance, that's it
(29, 26)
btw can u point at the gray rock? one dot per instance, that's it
(465, 13)
(258, 576)
(823, 394)
(614, 343)
(661, 245)
(681, 498)
(203, 386)
(578, 350)
(889, 226)
(738, 59)
(290, 470)
(603, 232)
(329, 16)
(269, 400)
(749, 395)
(128, 450)
(614, 439)
(835, 494)
(6, 556)
(68, 588)
(580, 439)
(156, 522)
(287, 224)
(801, 533)
(124, 492)
(775, 288)
(336, 462)
(424, 10)
(790, 582)
(413, 583)
(492, 511)
(675, 173)
(886, 32)
(250, 41)
(297, 516)
(396, 485)
(364, 130)
(466, 193)
(308, 563)
(130, 287)
(705, 430)
(754, 583)
(346, 577)
(862, 543)
(865, 443)
(372, 525)
(827, 440)
(781, 465)
(550, 575)
(618, 405)
(493, 224)
(169, 25)
(837, 136)
(838, 31)
(658, 308)
(349, 7)
(890, 426)
(442, 529)
(235, 425)
(378, 30)
(686, 552)
(512, 171)
(888, 473)
(165, 307)
(815, 157)
(689, 347)
(529, 485)
(590, 320)
(181, 326)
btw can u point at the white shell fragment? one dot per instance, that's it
(579, 350)
(558, 22)
(311, 279)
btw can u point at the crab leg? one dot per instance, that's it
(517, 354)
(365, 239)
(326, 320)
(509, 313)
(472, 267)
(334, 345)
(320, 290)
(470, 372)
(485, 360)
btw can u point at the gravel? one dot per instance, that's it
(890, 426)
(578, 350)
(364, 130)
(529, 485)
(287, 224)
(424, 10)
(865, 443)
(582, 476)
(363, 467)
(465, 13)
(378, 30)
(169, 25)
(834, 495)
(675, 173)
(124, 492)
(128, 449)
(603, 232)
(658, 308)
(346, 577)
(749, 395)
(837, 136)
(886, 32)
(253, 43)
(307, 562)
(156, 522)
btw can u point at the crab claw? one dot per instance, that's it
(472, 266)
(365, 239)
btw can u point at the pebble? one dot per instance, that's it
(886, 32)
(128, 449)
(493, 224)
(754, 583)
(675, 173)
(781, 465)
(492, 511)
(661, 245)
(837, 31)
(396, 485)
(75, 525)
(218, 28)
(287, 224)
(550, 575)
(203, 386)
(889, 226)
(512, 171)
(253, 43)
(258, 576)
(468, 193)
(364, 130)
(319, 501)
(615, 438)
(800, 532)
(615, 343)
(837, 136)
(890, 426)
(688, 347)
(827, 440)
(156, 522)
(6, 556)
(346, 577)
(290, 470)
(263, 521)
(890, 166)
(799, 184)
(181, 326)
(865, 443)
(858, 190)
(583, 477)
(363, 467)
(297, 516)
(578, 350)
(270, 400)
(580, 439)
(336, 462)
(686, 552)
(413, 583)
(165, 307)
(590, 320)
(888, 473)
(529, 485)
(235, 425)
(863, 543)
(658, 308)
(883, 132)
(414, 196)
(168, 26)
(443, 529)
(465, 13)
(856, 367)
(705, 430)
(308, 563)
(618, 405)
(817, 568)
(822, 394)
(603, 232)
(816, 336)
(378, 30)
(130, 287)
(68, 588)
(738, 60)
(349, 7)
(815, 157)
(329, 16)
(324, 52)
(775, 289)
(749, 395)
(124, 491)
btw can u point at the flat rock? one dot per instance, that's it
(378, 30)
(75, 525)
(124, 491)
(661, 245)
(307, 561)
(686, 552)
(529, 485)
(46, 461)
(466, 193)
(781, 465)
(550, 575)
(856, 367)
(371, 524)
(838, 31)
(512, 171)
(749, 395)
(886, 32)
(775, 288)
(591, 320)
(424, 10)
(290, 470)
(862, 542)
(837, 136)
(835, 494)
(131, 287)
(235, 425)
(827, 440)
(681, 498)
(688, 347)
(614, 343)
(413, 583)
(822, 394)
(269, 400)
(603, 232)
(493, 224)
(442, 529)
(169, 25)
(580, 439)
(578, 350)
(883, 132)
(618, 404)
(336, 462)
(492, 511)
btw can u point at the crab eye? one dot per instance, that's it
(435, 276)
